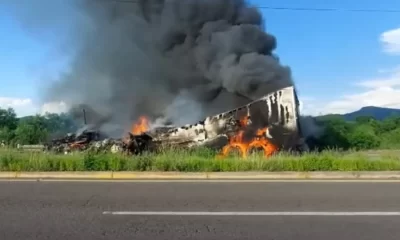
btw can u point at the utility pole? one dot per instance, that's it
(84, 116)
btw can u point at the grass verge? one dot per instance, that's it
(197, 161)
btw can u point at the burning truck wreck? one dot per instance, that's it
(269, 124)
(191, 73)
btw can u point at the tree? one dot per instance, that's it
(335, 133)
(8, 118)
(31, 130)
(363, 137)
(389, 124)
(364, 119)
(391, 139)
(6, 135)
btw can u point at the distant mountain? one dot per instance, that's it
(379, 113)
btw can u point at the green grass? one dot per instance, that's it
(202, 160)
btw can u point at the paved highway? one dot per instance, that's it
(198, 210)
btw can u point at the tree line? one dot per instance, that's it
(35, 129)
(362, 133)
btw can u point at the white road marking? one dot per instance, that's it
(253, 213)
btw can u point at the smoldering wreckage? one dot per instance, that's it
(269, 124)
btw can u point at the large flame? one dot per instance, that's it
(259, 141)
(141, 126)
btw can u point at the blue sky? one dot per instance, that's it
(330, 53)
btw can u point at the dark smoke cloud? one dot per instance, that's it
(180, 59)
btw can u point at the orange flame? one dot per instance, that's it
(78, 145)
(259, 141)
(141, 126)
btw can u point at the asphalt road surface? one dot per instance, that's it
(215, 210)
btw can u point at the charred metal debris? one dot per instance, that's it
(270, 124)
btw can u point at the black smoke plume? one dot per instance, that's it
(176, 60)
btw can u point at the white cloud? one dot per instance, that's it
(391, 41)
(391, 80)
(22, 106)
(26, 106)
(378, 97)
(53, 107)
(380, 92)
(17, 102)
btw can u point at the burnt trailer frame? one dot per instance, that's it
(278, 111)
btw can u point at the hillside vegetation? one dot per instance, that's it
(363, 133)
(378, 113)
